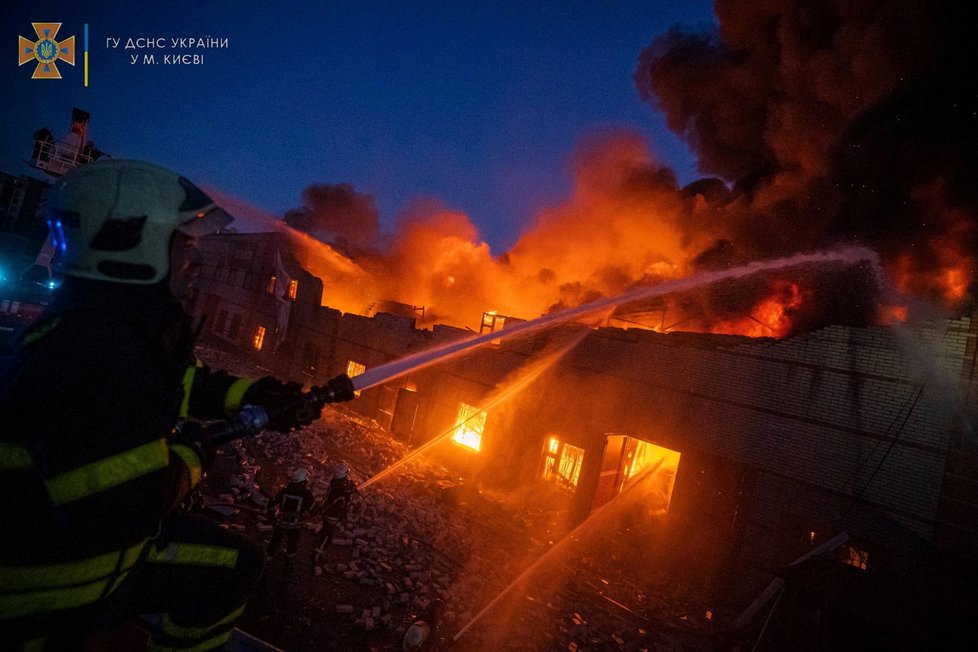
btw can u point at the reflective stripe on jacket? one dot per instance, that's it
(87, 467)
(28, 590)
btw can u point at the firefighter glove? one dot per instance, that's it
(288, 406)
(337, 390)
(193, 435)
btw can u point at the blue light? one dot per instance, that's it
(61, 242)
(54, 235)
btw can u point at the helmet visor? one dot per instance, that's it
(206, 216)
(205, 222)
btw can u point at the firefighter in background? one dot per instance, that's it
(335, 505)
(289, 509)
(91, 465)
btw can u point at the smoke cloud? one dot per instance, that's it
(816, 124)
(339, 215)
(834, 122)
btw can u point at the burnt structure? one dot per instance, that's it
(767, 449)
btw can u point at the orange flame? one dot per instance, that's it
(771, 317)
(626, 223)
(940, 268)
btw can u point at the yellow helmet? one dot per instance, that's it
(113, 220)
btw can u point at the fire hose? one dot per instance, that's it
(252, 419)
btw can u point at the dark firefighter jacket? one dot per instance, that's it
(88, 467)
(292, 502)
(337, 499)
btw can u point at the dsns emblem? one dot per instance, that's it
(46, 50)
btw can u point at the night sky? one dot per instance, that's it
(481, 105)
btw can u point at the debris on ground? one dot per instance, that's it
(425, 544)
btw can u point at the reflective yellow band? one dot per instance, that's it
(214, 643)
(14, 457)
(188, 385)
(25, 578)
(190, 459)
(35, 602)
(194, 553)
(235, 394)
(108, 472)
(180, 631)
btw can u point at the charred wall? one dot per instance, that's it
(842, 429)
(783, 442)
(233, 297)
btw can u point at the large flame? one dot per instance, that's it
(771, 317)
(941, 266)
(626, 223)
(826, 124)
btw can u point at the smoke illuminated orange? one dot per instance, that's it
(626, 223)
(620, 227)
(893, 314)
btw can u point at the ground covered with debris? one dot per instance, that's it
(425, 543)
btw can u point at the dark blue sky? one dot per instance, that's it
(480, 104)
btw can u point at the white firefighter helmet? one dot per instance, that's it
(300, 475)
(416, 635)
(341, 471)
(113, 220)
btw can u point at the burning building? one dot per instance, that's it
(831, 438)
(761, 450)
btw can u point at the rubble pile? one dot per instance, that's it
(423, 543)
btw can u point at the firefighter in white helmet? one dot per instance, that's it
(335, 506)
(288, 509)
(90, 464)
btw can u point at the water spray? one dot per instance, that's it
(559, 546)
(422, 359)
(521, 383)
